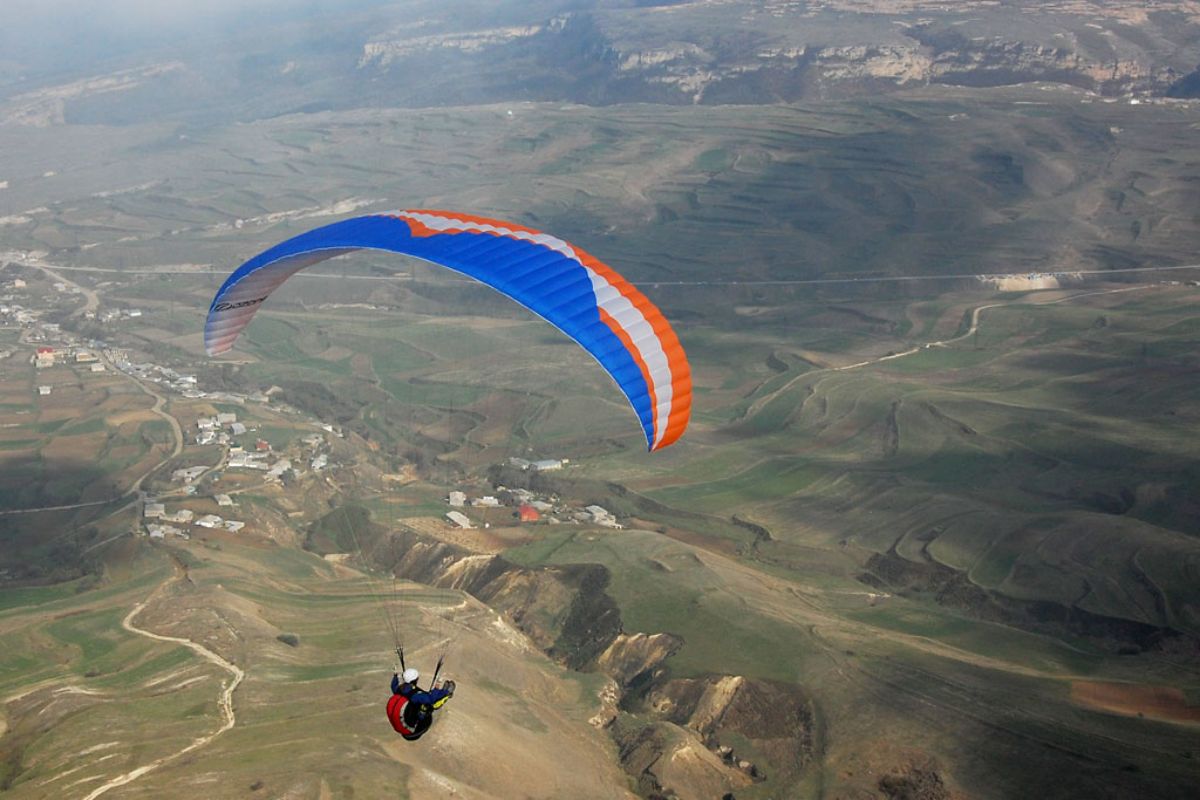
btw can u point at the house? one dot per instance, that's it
(527, 513)
(547, 465)
(237, 429)
(156, 532)
(44, 390)
(189, 474)
(183, 515)
(459, 519)
(233, 525)
(487, 501)
(154, 510)
(209, 521)
(262, 446)
(279, 467)
(97, 368)
(457, 499)
(226, 418)
(319, 462)
(223, 499)
(85, 357)
(603, 517)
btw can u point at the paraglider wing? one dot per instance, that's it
(572, 290)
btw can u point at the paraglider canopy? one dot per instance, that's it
(572, 290)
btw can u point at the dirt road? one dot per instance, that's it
(225, 701)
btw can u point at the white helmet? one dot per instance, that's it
(411, 675)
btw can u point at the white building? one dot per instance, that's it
(189, 474)
(237, 429)
(210, 521)
(487, 501)
(603, 517)
(223, 499)
(278, 468)
(154, 510)
(547, 465)
(184, 515)
(234, 525)
(457, 499)
(319, 462)
(44, 390)
(226, 418)
(459, 519)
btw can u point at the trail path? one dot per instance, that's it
(225, 701)
(976, 312)
(92, 300)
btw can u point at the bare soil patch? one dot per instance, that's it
(1157, 702)
(476, 541)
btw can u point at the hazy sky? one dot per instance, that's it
(38, 34)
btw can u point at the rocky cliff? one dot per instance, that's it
(693, 737)
(432, 54)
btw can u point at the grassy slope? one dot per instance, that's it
(308, 716)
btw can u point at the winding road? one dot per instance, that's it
(974, 326)
(225, 702)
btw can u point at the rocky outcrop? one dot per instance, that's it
(667, 762)
(383, 53)
(916, 781)
(630, 656)
(776, 719)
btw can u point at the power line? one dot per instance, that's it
(650, 283)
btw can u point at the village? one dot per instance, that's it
(202, 499)
(527, 506)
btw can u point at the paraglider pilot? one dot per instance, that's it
(410, 708)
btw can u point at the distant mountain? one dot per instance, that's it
(243, 65)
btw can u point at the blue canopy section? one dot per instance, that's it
(550, 283)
